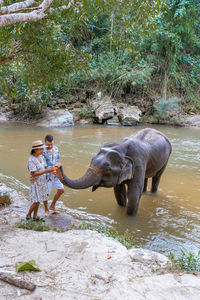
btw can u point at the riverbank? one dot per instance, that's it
(105, 114)
(87, 265)
(84, 264)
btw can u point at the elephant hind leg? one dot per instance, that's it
(156, 180)
(120, 194)
(145, 185)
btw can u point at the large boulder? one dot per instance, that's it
(57, 118)
(129, 115)
(103, 109)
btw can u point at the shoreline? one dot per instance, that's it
(183, 120)
(85, 264)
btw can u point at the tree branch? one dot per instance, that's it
(16, 6)
(14, 13)
(37, 14)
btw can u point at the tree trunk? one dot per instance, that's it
(164, 88)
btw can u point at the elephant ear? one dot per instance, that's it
(127, 170)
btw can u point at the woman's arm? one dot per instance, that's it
(41, 172)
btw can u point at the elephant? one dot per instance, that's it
(126, 166)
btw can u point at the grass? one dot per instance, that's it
(33, 225)
(186, 261)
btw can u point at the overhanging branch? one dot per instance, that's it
(10, 15)
(28, 11)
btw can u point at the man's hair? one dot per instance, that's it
(48, 138)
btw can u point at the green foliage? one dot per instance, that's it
(174, 48)
(164, 107)
(27, 266)
(86, 113)
(140, 49)
(189, 262)
(27, 102)
(118, 71)
(47, 51)
(33, 225)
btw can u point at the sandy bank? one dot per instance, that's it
(87, 265)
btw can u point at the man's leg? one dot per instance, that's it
(56, 197)
(49, 188)
(46, 209)
(60, 190)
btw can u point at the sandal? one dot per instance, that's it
(38, 219)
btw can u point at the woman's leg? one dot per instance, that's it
(32, 208)
(35, 211)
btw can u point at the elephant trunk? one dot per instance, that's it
(89, 179)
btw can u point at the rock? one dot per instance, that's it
(60, 101)
(87, 265)
(5, 197)
(4, 113)
(103, 109)
(16, 108)
(129, 115)
(148, 257)
(191, 120)
(113, 122)
(78, 104)
(19, 206)
(76, 115)
(57, 118)
(85, 122)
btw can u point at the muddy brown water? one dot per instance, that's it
(167, 221)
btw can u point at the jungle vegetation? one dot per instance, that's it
(144, 53)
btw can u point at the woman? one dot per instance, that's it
(38, 188)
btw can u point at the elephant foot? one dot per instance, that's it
(121, 204)
(154, 190)
(131, 211)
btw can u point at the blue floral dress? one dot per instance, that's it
(38, 189)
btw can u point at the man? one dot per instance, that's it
(51, 155)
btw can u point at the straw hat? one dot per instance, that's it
(37, 145)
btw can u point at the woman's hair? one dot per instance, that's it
(32, 151)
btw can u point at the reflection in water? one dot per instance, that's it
(165, 222)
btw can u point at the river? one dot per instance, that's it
(167, 221)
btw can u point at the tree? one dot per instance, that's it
(122, 15)
(174, 48)
(41, 42)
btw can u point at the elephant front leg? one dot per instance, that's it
(120, 194)
(134, 193)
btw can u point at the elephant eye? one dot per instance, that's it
(106, 167)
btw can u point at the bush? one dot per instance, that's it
(164, 107)
(189, 262)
